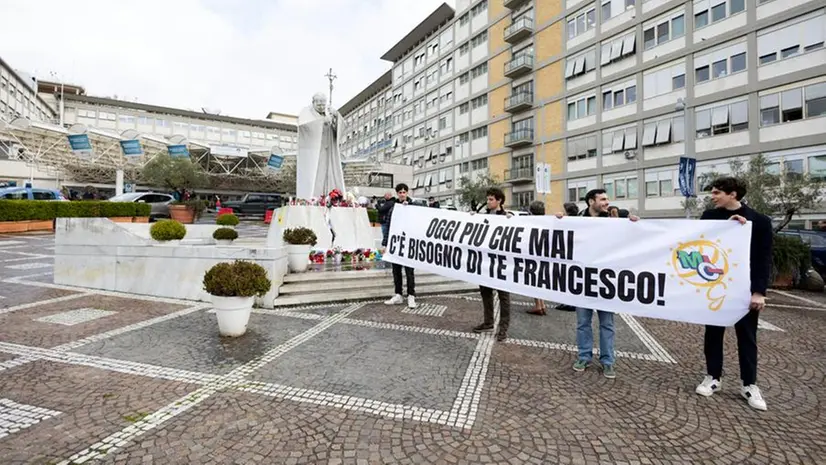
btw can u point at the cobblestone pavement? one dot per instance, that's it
(94, 377)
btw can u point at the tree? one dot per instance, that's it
(173, 173)
(772, 189)
(473, 192)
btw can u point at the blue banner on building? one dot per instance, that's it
(80, 144)
(178, 151)
(275, 161)
(131, 148)
(688, 167)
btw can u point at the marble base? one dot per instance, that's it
(352, 226)
(195, 233)
(99, 254)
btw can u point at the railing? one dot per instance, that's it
(519, 61)
(521, 23)
(519, 136)
(520, 98)
(519, 173)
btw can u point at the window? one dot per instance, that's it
(719, 69)
(722, 119)
(479, 164)
(581, 22)
(479, 70)
(579, 65)
(792, 38)
(582, 107)
(479, 39)
(815, 100)
(678, 82)
(464, 108)
(663, 80)
(621, 187)
(712, 11)
(618, 48)
(817, 167)
(738, 62)
(619, 140)
(479, 133)
(663, 31)
(463, 49)
(479, 101)
(660, 184)
(479, 9)
(619, 95)
(523, 199)
(463, 79)
(666, 131)
(464, 19)
(581, 148)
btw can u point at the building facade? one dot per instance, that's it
(368, 122)
(19, 96)
(609, 93)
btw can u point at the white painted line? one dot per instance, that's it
(15, 417)
(426, 310)
(22, 279)
(574, 349)
(814, 303)
(30, 266)
(656, 349)
(763, 324)
(796, 307)
(75, 317)
(7, 243)
(412, 329)
(44, 302)
(21, 259)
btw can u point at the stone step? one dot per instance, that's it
(384, 282)
(328, 276)
(356, 294)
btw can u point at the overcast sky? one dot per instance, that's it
(242, 57)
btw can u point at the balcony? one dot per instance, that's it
(519, 175)
(519, 101)
(513, 4)
(519, 138)
(520, 30)
(519, 66)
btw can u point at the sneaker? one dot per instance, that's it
(501, 336)
(581, 365)
(709, 386)
(396, 300)
(483, 328)
(411, 302)
(609, 372)
(752, 394)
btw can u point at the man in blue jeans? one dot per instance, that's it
(598, 203)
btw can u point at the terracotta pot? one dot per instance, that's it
(121, 219)
(140, 219)
(182, 214)
(26, 225)
(783, 281)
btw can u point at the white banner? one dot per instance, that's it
(683, 270)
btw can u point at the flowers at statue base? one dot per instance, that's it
(321, 257)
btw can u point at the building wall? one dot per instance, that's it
(18, 97)
(368, 128)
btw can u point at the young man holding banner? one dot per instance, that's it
(598, 204)
(727, 193)
(495, 206)
(398, 299)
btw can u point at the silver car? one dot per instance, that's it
(158, 202)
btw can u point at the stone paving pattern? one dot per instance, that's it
(523, 404)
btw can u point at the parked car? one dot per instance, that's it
(23, 193)
(255, 204)
(159, 202)
(817, 242)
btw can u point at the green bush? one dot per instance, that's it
(117, 209)
(167, 230)
(790, 254)
(19, 210)
(227, 219)
(373, 215)
(238, 279)
(143, 209)
(225, 234)
(300, 236)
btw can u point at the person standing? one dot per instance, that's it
(727, 194)
(597, 207)
(495, 206)
(398, 299)
(537, 208)
(385, 211)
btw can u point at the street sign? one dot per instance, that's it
(128, 188)
(687, 170)
(131, 148)
(275, 162)
(178, 151)
(80, 144)
(538, 178)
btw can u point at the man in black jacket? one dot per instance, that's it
(727, 194)
(385, 211)
(398, 299)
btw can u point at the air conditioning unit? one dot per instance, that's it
(449, 184)
(630, 155)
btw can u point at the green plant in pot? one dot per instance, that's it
(790, 257)
(224, 236)
(227, 219)
(233, 288)
(299, 243)
(167, 231)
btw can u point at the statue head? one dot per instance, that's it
(320, 102)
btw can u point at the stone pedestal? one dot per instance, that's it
(351, 225)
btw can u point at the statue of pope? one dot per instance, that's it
(319, 169)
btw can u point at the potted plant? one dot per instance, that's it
(167, 231)
(186, 211)
(228, 220)
(224, 236)
(790, 256)
(299, 243)
(179, 175)
(233, 288)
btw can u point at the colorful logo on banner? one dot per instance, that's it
(703, 264)
(131, 148)
(178, 151)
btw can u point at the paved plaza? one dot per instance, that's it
(97, 377)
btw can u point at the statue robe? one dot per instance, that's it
(319, 169)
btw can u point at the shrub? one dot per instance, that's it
(167, 230)
(117, 209)
(20, 210)
(143, 209)
(225, 234)
(300, 236)
(789, 255)
(227, 219)
(197, 205)
(238, 279)
(373, 215)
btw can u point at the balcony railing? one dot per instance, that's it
(519, 101)
(516, 175)
(513, 4)
(520, 30)
(519, 66)
(519, 138)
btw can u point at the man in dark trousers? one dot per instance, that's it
(727, 194)
(385, 211)
(398, 299)
(495, 206)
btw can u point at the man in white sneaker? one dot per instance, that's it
(727, 193)
(398, 299)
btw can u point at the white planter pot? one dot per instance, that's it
(223, 241)
(233, 314)
(298, 257)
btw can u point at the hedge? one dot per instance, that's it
(373, 215)
(20, 210)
